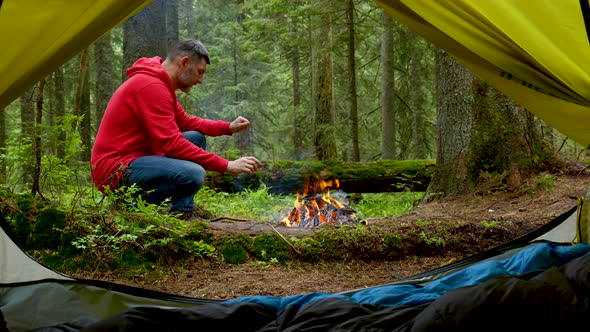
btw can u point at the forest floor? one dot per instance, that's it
(513, 214)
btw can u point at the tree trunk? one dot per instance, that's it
(297, 112)
(86, 124)
(388, 125)
(81, 107)
(60, 107)
(172, 25)
(354, 122)
(189, 14)
(27, 116)
(27, 112)
(244, 140)
(105, 73)
(83, 69)
(313, 61)
(549, 135)
(418, 81)
(50, 105)
(486, 141)
(324, 117)
(36, 189)
(456, 121)
(503, 143)
(144, 35)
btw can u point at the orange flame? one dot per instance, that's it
(315, 210)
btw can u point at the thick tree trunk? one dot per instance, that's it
(244, 140)
(144, 35)
(313, 81)
(288, 177)
(189, 16)
(388, 123)
(503, 143)
(354, 122)
(486, 141)
(324, 117)
(456, 121)
(297, 112)
(172, 24)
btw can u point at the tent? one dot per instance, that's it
(535, 51)
(536, 281)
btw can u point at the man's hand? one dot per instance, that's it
(239, 124)
(243, 165)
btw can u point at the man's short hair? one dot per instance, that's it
(189, 47)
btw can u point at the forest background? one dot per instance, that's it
(319, 80)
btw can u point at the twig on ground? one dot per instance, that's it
(286, 241)
(106, 224)
(229, 218)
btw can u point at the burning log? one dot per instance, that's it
(318, 209)
(314, 211)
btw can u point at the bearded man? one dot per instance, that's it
(147, 139)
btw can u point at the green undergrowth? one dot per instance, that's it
(127, 236)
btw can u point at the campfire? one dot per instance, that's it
(317, 207)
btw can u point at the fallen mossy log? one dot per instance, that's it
(288, 177)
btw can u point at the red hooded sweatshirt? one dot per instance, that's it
(144, 118)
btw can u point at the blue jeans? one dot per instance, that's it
(162, 177)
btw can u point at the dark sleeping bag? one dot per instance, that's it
(549, 299)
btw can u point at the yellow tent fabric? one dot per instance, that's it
(39, 35)
(536, 52)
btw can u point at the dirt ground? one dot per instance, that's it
(518, 213)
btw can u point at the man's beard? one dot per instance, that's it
(184, 81)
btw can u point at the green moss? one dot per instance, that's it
(48, 226)
(234, 248)
(67, 249)
(21, 227)
(392, 241)
(309, 248)
(24, 202)
(234, 254)
(269, 246)
(72, 265)
(52, 259)
(200, 231)
(129, 259)
(331, 245)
